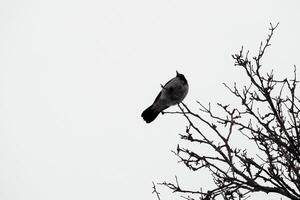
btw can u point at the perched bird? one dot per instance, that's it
(172, 93)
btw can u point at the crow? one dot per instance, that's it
(172, 93)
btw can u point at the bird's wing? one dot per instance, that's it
(157, 97)
(166, 86)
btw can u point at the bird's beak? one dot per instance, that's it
(177, 73)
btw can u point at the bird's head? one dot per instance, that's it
(180, 76)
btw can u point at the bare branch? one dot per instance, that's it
(267, 119)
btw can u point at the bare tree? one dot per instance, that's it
(268, 118)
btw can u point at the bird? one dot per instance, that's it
(172, 93)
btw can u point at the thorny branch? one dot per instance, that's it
(269, 118)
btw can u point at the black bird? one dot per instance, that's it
(172, 93)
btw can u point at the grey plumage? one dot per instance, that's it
(172, 93)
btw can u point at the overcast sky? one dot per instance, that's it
(76, 75)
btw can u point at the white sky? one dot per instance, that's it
(76, 75)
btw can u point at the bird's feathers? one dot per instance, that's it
(173, 92)
(150, 114)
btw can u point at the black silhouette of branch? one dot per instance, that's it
(267, 119)
(155, 191)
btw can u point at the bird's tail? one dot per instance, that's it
(150, 114)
